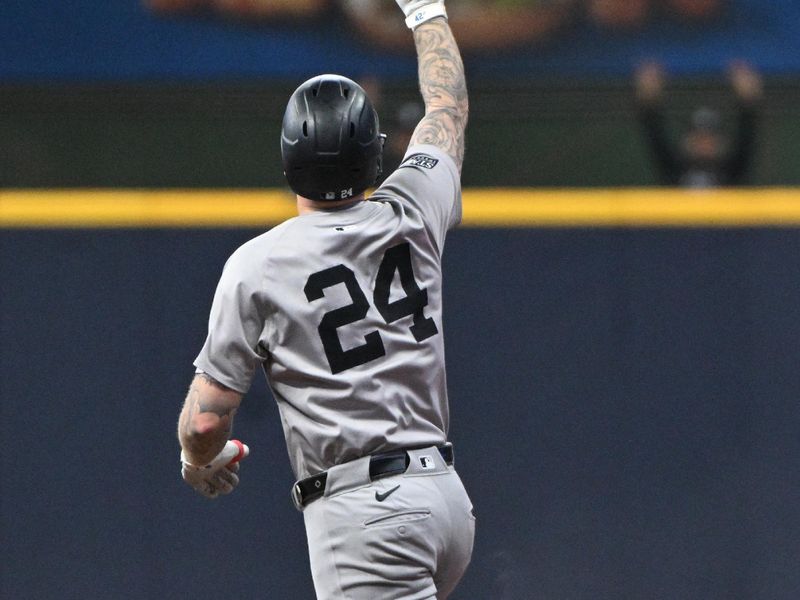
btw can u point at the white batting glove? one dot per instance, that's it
(220, 475)
(419, 11)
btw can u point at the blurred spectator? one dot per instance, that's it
(633, 14)
(404, 121)
(243, 8)
(619, 13)
(371, 84)
(398, 125)
(695, 10)
(706, 156)
(476, 23)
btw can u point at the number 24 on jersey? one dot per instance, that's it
(396, 259)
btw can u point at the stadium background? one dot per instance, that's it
(622, 362)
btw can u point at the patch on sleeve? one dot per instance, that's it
(420, 160)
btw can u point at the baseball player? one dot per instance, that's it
(342, 307)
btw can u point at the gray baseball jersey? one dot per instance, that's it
(343, 309)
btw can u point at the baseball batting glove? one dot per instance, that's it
(220, 475)
(419, 11)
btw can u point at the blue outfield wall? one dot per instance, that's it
(625, 416)
(120, 40)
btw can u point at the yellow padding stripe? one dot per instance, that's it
(632, 208)
(512, 207)
(143, 208)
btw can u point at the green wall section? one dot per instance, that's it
(227, 135)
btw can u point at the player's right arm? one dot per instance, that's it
(441, 79)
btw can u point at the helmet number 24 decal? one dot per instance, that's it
(396, 259)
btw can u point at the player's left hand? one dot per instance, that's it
(220, 476)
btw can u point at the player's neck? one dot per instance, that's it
(306, 206)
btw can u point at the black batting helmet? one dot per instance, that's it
(330, 141)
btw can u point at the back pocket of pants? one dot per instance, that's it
(398, 518)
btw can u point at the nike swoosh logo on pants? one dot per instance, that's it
(384, 496)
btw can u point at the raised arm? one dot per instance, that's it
(441, 79)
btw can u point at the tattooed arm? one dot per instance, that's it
(444, 89)
(206, 420)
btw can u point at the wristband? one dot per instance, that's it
(425, 13)
(189, 466)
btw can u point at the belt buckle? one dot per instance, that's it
(297, 495)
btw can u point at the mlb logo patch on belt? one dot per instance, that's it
(426, 462)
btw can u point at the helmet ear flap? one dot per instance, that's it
(383, 137)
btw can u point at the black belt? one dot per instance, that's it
(380, 465)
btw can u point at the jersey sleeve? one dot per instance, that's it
(232, 350)
(428, 180)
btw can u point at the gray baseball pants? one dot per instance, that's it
(406, 537)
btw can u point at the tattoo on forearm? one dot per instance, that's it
(189, 411)
(217, 410)
(196, 404)
(444, 90)
(208, 378)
